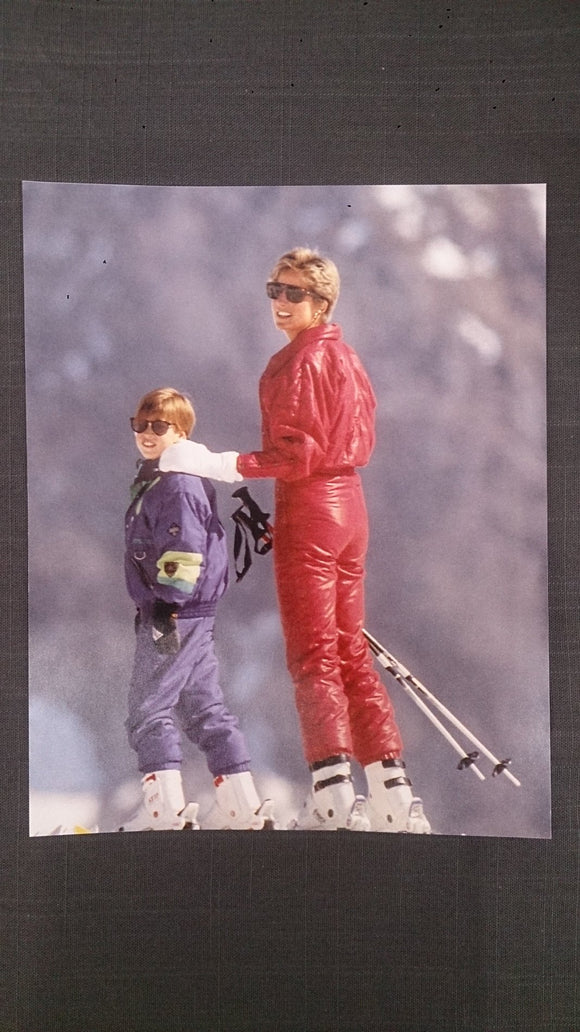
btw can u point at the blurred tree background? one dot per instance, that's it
(443, 295)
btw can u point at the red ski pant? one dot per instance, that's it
(320, 544)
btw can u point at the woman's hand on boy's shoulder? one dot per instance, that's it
(192, 457)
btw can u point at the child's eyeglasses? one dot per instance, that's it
(294, 295)
(158, 426)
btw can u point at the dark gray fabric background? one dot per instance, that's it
(241, 933)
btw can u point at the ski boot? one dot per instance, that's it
(237, 806)
(163, 807)
(332, 803)
(391, 803)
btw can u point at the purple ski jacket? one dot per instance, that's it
(175, 544)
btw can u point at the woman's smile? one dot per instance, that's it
(293, 318)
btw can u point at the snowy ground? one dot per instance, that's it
(60, 813)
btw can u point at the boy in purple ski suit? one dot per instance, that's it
(176, 570)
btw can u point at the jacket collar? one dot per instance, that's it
(323, 333)
(147, 469)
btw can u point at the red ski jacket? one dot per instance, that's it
(318, 409)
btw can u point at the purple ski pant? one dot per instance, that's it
(170, 693)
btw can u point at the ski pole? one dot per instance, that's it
(404, 677)
(466, 760)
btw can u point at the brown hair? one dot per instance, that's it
(320, 273)
(167, 403)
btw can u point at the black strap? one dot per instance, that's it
(251, 524)
(396, 762)
(241, 537)
(336, 779)
(393, 782)
(330, 761)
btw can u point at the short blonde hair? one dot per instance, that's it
(168, 404)
(320, 274)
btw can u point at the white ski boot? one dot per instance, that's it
(391, 803)
(237, 806)
(332, 803)
(163, 807)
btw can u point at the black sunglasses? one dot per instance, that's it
(158, 426)
(294, 295)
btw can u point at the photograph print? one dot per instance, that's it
(286, 460)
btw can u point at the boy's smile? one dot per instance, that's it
(151, 446)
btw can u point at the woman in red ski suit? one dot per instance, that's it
(318, 411)
(317, 426)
